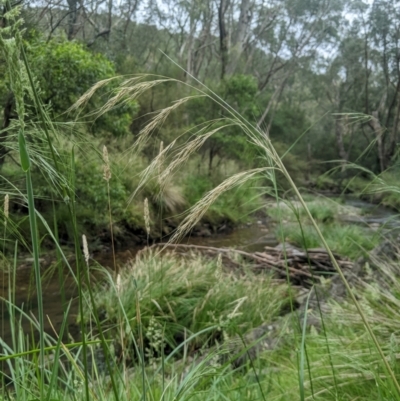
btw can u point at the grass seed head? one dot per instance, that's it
(147, 216)
(218, 270)
(118, 284)
(85, 249)
(6, 206)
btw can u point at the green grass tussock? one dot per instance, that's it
(182, 296)
(346, 240)
(343, 238)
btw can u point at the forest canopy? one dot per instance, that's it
(328, 67)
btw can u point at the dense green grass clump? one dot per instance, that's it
(182, 296)
(346, 239)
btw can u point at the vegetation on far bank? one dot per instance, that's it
(307, 128)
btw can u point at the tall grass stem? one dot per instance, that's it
(25, 163)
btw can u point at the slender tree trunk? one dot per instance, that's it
(109, 22)
(223, 36)
(366, 75)
(391, 149)
(240, 36)
(190, 50)
(73, 17)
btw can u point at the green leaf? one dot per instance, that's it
(23, 153)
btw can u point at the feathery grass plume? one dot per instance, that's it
(6, 207)
(126, 94)
(182, 156)
(158, 120)
(148, 172)
(147, 216)
(84, 99)
(130, 92)
(187, 150)
(118, 284)
(85, 249)
(171, 198)
(200, 208)
(106, 166)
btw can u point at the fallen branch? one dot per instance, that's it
(285, 260)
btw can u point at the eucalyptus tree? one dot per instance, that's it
(385, 34)
(365, 76)
(301, 31)
(84, 20)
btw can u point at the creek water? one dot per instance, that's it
(251, 238)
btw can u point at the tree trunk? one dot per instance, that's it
(390, 150)
(73, 17)
(223, 37)
(240, 36)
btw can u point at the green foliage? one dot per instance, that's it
(288, 124)
(322, 212)
(345, 239)
(297, 166)
(91, 207)
(239, 91)
(382, 189)
(65, 71)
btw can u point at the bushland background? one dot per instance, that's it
(320, 78)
